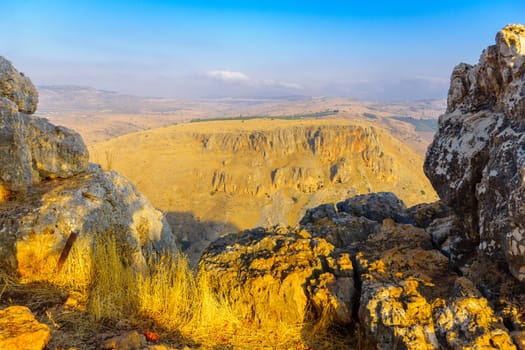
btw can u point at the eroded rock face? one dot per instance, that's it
(15, 156)
(31, 148)
(20, 330)
(280, 275)
(477, 160)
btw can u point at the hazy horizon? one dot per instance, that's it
(374, 51)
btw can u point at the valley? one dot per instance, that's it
(218, 177)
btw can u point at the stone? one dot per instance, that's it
(17, 88)
(423, 214)
(519, 339)
(31, 148)
(20, 330)
(411, 299)
(375, 206)
(125, 341)
(476, 162)
(450, 236)
(339, 228)
(276, 275)
(34, 232)
(57, 152)
(15, 155)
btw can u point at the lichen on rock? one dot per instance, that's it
(477, 159)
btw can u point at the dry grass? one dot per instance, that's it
(98, 288)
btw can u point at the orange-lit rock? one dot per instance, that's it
(20, 330)
(277, 275)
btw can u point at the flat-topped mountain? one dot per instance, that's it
(227, 175)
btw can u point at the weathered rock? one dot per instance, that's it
(339, 228)
(280, 275)
(34, 231)
(505, 293)
(31, 148)
(410, 299)
(477, 160)
(15, 155)
(466, 320)
(422, 215)
(35, 227)
(375, 206)
(519, 339)
(17, 88)
(20, 330)
(124, 341)
(452, 239)
(57, 152)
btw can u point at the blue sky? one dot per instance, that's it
(376, 50)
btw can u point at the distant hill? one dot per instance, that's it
(100, 115)
(221, 176)
(61, 98)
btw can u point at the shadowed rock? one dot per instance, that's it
(477, 160)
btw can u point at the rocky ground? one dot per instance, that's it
(366, 272)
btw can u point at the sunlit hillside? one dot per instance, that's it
(222, 176)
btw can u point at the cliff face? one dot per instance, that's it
(477, 160)
(48, 192)
(337, 149)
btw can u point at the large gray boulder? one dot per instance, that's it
(476, 162)
(31, 148)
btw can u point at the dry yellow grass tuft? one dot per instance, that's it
(102, 289)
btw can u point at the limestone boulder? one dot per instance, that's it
(34, 231)
(56, 151)
(17, 88)
(281, 275)
(20, 330)
(31, 148)
(476, 162)
(339, 228)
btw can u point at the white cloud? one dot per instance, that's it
(273, 83)
(240, 77)
(228, 76)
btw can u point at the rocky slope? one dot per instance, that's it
(218, 177)
(443, 275)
